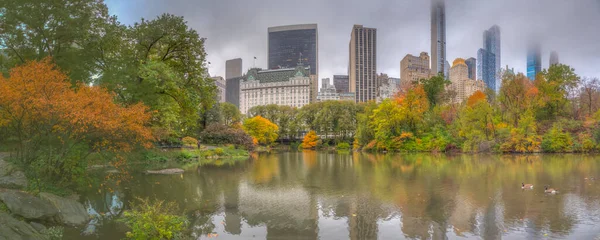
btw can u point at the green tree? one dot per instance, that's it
(475, 123)
(516, 96)
(230, 113)
(434, 88)
(554, 85)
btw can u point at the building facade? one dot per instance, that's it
(413, 68)
(341, 83)
(491, 43)
(221, 85)
(553, 58)
(232, 90)
(534, 60)
(486, 67)
(388, 87)
(462, 85)
(327, 91)
(287, 45)
(287, 87)
(362, 69)
(472, 68)
(438, 36)
(233, 68)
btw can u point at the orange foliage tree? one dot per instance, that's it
(57, 125)
(311, 140)
(475, 98)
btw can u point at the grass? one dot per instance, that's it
(185, 158)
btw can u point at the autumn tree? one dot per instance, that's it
(57, 126)
(261, 129)
(311, 140)
(590, 96)
(413, 105)
(517, 95)
(555, 85)
(434, 88)
(475, 122)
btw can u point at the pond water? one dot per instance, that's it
(328, 195)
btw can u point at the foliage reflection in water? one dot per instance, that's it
(362, 196)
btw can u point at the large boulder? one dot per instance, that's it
(11, 177)
(27, 205)
(70, 212)
(13, 229)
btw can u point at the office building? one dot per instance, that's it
(233, 68)
(362, 69)
(492, 44)
(534, 60)
(438, 37)
(472, 68)
(414, 68)
(327, 91)
(553, 58)
(287, 45)
(341, 83)
(463, 86)
(220, 83)
(486, 67)
(232, 90)
(287, 86)
(388, 87)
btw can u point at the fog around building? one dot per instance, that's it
(238, 28)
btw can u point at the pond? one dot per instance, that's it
(328, 195)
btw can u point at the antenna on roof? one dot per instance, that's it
(254, 64)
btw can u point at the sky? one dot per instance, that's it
(238, 28)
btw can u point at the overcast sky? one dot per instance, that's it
(238, 28)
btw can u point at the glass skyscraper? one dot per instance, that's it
(290, 44)
(492, 44)
(534, 60)
(438, 37)
(472, 68)
(486, 65)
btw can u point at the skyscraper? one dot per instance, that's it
(341, 83)
(486, 66)
(438, 37)
(233, 68)
(472, 68)
(362, 69)
(491, 43)
(553, 58)
(534, 60)
(287, 45)
(414, 68)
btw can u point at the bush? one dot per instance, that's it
(190, 141)
(54, 233)
(156, 220)
(222, 134)
(185, 155)
(311, 140)
(556, 140)
(219, 151)
(342, 146)
(294, 146)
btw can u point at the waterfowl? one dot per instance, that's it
(526, 186)
(549, 190)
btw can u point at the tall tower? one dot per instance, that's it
(491, 43)
(472, 67)
(534, 60)
(438, 37)
(486, 67)
(553, 58)
(288, 44)
(362, 69)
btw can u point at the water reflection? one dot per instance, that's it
(311, 195)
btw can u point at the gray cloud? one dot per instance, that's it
(238, 28)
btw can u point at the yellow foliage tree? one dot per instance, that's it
(311, 140)
(261, 129)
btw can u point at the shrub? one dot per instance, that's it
(153, 220)
(556, 140)
(185, 155)
(219, 151)
(261, 129)
(342, 146)
(294, 145)
(311, 140)
(54, 233)
(222, 134)
(190, 141)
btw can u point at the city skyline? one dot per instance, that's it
(233, 31)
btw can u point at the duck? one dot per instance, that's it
(526, 186)
(549, 190)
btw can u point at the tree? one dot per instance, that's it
(555, 85)
(476, 122)
(58, 126)
(261, 129)
(387, 121)
(413, 105)
(590, 95)
(230, 113)
(523, 138)
(517, 94)
(311, 140)
(434, 88)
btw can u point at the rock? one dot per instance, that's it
(27, 205)
(166, 171)
(11, 177)
(38, 226)
(13, 229)
(70, 212)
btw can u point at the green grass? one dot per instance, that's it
(4, 208)
(185, 158)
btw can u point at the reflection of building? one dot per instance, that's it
(341, 83)
(287, 44)
(461, 83)
(220, 83)
(472, 67)
(534, 60)
(553, 58)
(233, 68)
(289, 86)
(327, 91)
(438, 36)
(413, 68)
(362, 69)
(486, 65)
